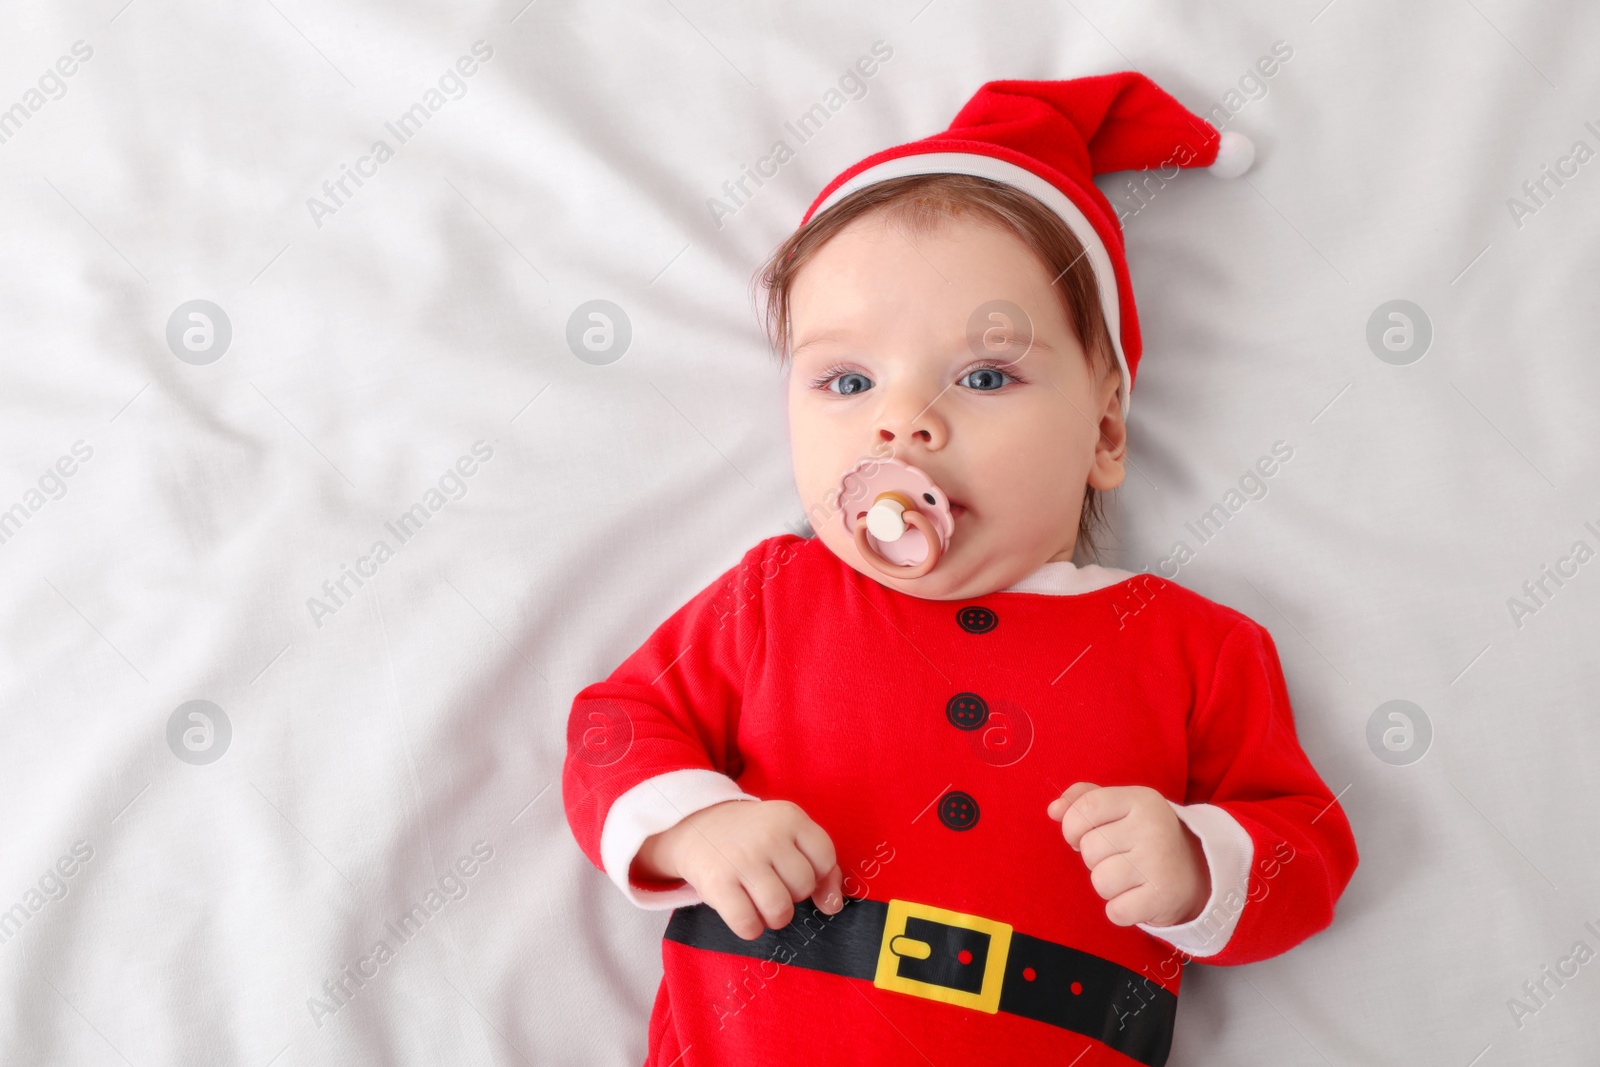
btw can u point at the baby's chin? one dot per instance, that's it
(959, 575)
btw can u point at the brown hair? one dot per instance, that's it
(923, 202)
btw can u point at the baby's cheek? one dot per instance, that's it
(1028, 514)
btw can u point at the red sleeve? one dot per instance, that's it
(1245, 758)
(673, 704)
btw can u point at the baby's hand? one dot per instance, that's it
(1142, 859)
(750, 860)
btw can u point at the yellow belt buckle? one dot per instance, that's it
(994, 973)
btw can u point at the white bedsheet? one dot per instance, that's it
(413, 726)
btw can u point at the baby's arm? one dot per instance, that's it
(654, 744)
(1246, 766)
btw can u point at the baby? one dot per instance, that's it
(918, 788)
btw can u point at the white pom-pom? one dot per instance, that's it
(1234, 155)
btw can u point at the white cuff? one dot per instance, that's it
(1229, 852)
(654, 805)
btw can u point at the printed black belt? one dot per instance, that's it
(959, 959)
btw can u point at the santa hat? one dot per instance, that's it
(1049, 139)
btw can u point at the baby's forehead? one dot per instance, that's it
(959, 276)
(909, 221)
(953, 251)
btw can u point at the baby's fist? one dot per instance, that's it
(1143, 861)
(750, 860)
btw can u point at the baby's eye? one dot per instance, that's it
(851, 383)
(985, 379)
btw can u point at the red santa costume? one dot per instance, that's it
(927, 737)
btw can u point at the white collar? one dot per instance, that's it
(1065, 578)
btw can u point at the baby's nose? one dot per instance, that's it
(912, 417)
(885, 433)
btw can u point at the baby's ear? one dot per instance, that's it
(1112, 446)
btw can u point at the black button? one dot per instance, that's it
(958, 810)
(967, 711)
(976, 620)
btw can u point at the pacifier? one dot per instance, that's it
(899, 518)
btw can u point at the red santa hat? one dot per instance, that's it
(1049, 139)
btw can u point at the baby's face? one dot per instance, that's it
(882, 365)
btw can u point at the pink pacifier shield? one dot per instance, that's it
(867, 480)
